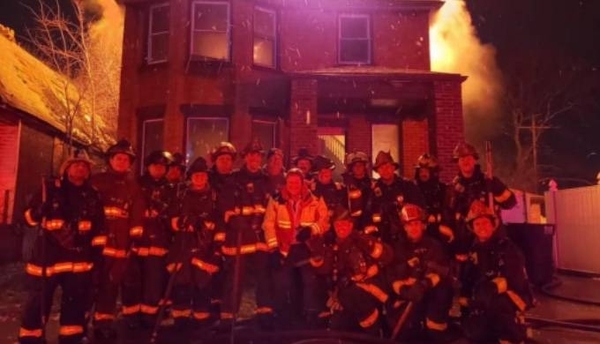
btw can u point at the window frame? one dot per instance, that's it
(149, 59)
(143, 142)
(193, 30)
(199, 117)
(369, 39)
(274, 37)
(263, 121)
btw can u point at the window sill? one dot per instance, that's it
(266, 69)
(153, 66)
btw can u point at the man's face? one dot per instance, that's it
(199, 180)
(483, 228)
(174, 174)
(78, 172)
(359, 169)
(157, 171)
(304, 165)
(466, 164)
(386, 171)
(424, 174)
(253, 161)
(275, 163)
(224, 164)
(343, 228)
(325, 175)
(120, 162)
(414, 230)
(293, 185)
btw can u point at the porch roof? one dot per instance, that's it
(375, 72)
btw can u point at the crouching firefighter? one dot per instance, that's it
(496, 286)
(355, 262)
(70, 215)
(192, 260)
(420, 274)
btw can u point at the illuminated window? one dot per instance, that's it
(354, 39)
(203, 134)
(265, 131)
(152, 136)
(264, 37)
(210, 30)
(158, 34)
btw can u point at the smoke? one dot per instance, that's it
(455, 48)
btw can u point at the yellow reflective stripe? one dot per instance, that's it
(84, 226)
(432, 325)
(226, 315)
(371, 271)
(150, 251)
(201, 315)
(374, 290)
(501, 284)
(376, 218)
(264, 310)
(181, 313)
(29, 218)
(115, 212)
(316, 262)
(99, 240)
(259, 209)
(202, 265)
(398, 284)
(505, 195)
(261, 246)
(446, 231)
(370, 319)
(112, 252)
(146, 309)
(23, 332)
(136, 231)
(247, 210)
(272, 243)
(54, 224)
(354, 194)
(128, 310)
(284, 224)
(377, 250)
(370, 229)
(35, 270)
(58, 268)
(434, 278)
(245, 249)
(517, 300)
(69, 330)
(172, 267)
(316, 229)
(209, 225)
(356, 213)
(103, 316)
(220, 236)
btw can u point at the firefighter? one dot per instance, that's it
(495, 283)
(244, 238)
(469, 185)
(275, 170)
(304, 161)
(124, 207)
(146, 271)
(221, 180)
(390, 193)
(70, 213)
(191, 257)
(332, 192)
(358, 186)
(434, 191)
(354, 261)
(421, 274)
(176, 169)
(293, 217)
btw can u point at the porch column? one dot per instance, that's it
(449, 124)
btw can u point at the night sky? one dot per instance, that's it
(554, 27)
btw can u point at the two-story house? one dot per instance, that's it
(331, 75)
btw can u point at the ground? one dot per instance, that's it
(13, 296)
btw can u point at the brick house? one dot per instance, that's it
(331, 75)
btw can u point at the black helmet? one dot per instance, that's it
(199, 165)
(123, 146)
(464, 149)
(321, 163)
(221, 149)
(158, 157)
(178, 160)
(253, 147)
(303, 154)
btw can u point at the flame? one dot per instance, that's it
(455, 48)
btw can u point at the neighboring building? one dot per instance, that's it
(334, 76)
(32, 133)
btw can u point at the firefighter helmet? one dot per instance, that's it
(383, 158)
(78, 155)
(479, 209)
(302, 155)
(199, 165)
(253, 147)
(222, 149)
(158, 157)
(178, 160)
(355, 157)
(340, 213)
(295, 171)
(427, 161)
(124, 147)
(274, 151)
(464, 149)
(411, 212)
(322, 163)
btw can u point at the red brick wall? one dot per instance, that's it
(415, 141)
(9, 151)
(303, 100)
(359, 134)
(449, 124)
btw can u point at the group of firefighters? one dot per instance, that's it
(388, 256)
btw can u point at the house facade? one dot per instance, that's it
(331, 75)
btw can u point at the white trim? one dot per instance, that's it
(149, 59)
(368, 38)
(193, 27)
(273, 37)
(274, 133)
(143, 149)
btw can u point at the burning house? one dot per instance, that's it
(330, 75)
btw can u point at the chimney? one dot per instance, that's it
(8, 33)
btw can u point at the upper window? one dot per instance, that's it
(158, 34)
(210, 30)
(355, 39)
(264, 37)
